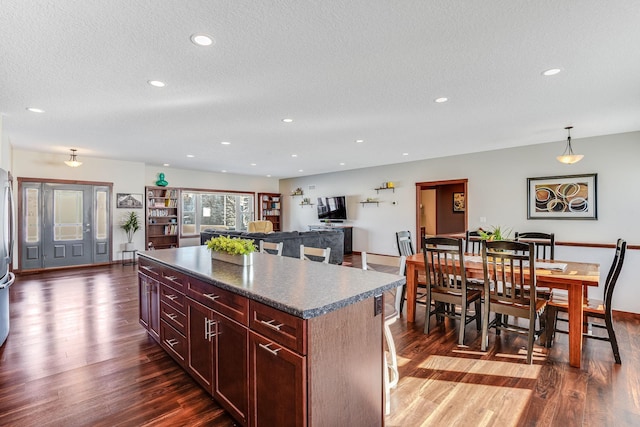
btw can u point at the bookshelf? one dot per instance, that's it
(270, 208)
(161, 219)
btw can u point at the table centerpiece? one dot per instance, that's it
(235, 251)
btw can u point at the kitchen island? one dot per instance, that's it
(280, 342)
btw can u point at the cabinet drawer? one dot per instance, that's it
(283, 328)
(163, 273)
(173, 342)
(171, 297)
(173, 317)
(233, 306)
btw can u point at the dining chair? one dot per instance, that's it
(510, 290)
(598, 309)
(405, 248)
(315, 254)
(472, 242)
(447, 284)
(545, 243)
(271, 247)
(392, 300)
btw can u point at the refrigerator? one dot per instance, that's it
(6, 252)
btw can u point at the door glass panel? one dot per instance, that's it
(101, 225)
(32, 215)
(67, 215)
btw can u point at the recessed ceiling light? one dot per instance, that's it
(551, 72)
(253, 164)
(268, 176)
(405, 154)
(190, 155)
(225, 143)
(156, 83)
(441, 100)
(300, 170)
(35, 110)
(223, 171)
(359, 140)
(166, 164)
(287, 120)
(201, 39)
(294, 155)
(342, 163)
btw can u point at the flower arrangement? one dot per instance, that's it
(497, 233)
(230, 245)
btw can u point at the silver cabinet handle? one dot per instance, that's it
(212, 297)
(172, 342)
(172, 316)
(272, 325)
(172, 297)
(208, 326)
(146, 267)
(273, 351)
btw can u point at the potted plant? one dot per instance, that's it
(130, 225)
(236, 251)
(497, 233)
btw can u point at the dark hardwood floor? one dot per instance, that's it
(76, 356)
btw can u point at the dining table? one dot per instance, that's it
(575, 277)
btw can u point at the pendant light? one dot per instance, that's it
(73, 161)
(568, 157)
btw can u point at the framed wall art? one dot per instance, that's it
(129, 201)
(562, 197)
(458, 202)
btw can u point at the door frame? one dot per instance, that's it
(428, 185)
(20, 222)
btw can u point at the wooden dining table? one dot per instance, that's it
(575, 278)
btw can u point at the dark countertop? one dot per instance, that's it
(304, 289)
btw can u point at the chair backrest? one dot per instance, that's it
(318, 254)
(373, 261)
(270, 247)
(545, 243)
(444, 264)
(405, 247)
(473, 242)
(509, 272)
(260, 227)
(614, 272)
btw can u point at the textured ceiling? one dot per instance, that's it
(342, 70)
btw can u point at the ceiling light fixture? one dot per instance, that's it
(201, 39)
(73, 160)
(287, 120)
(191, 156)
(568, 157)
(294, 155)
(441, 100)
(551, 72)
(225, 143)
(35, 110)
(166, 164)
(156, 83)
(359, 140)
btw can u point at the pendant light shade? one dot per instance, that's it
(73, 160)
(568, 157)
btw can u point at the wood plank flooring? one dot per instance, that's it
(76, 356)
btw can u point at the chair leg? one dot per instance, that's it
(498, 323)
(427, 312)
(463, 323)
(485, 326)
(551, 314)
(612, 338)
(393, 363)
(531, 336)
(478, 314)
(404, 295)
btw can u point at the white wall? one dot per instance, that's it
(127, 177)
(497, 190)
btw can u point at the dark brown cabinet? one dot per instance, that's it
(149, 305)
(162, 217)
(278, 384)
(201, 328)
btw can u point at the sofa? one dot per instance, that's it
(291, 240)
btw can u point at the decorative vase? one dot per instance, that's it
(233, 259)
(129, 246)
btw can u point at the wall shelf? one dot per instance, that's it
(369, 202)
(385, 188)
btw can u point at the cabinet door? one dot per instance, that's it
(231, 367)
(200, 331)
(277, 382)
(143, 300)
(149, 305)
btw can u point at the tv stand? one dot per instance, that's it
(346, 229)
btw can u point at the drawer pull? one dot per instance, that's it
(172, 316)
(172, 342)
(273, 351)
(172, 297)
(208, 329)
(146, 267)
(212, 297)
(271, 325)
(172, 278)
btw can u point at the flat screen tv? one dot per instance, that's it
(332, 208)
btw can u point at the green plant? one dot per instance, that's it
(230, 245)
(130, 225)
(497, 233)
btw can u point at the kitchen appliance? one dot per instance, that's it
(6, 251)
